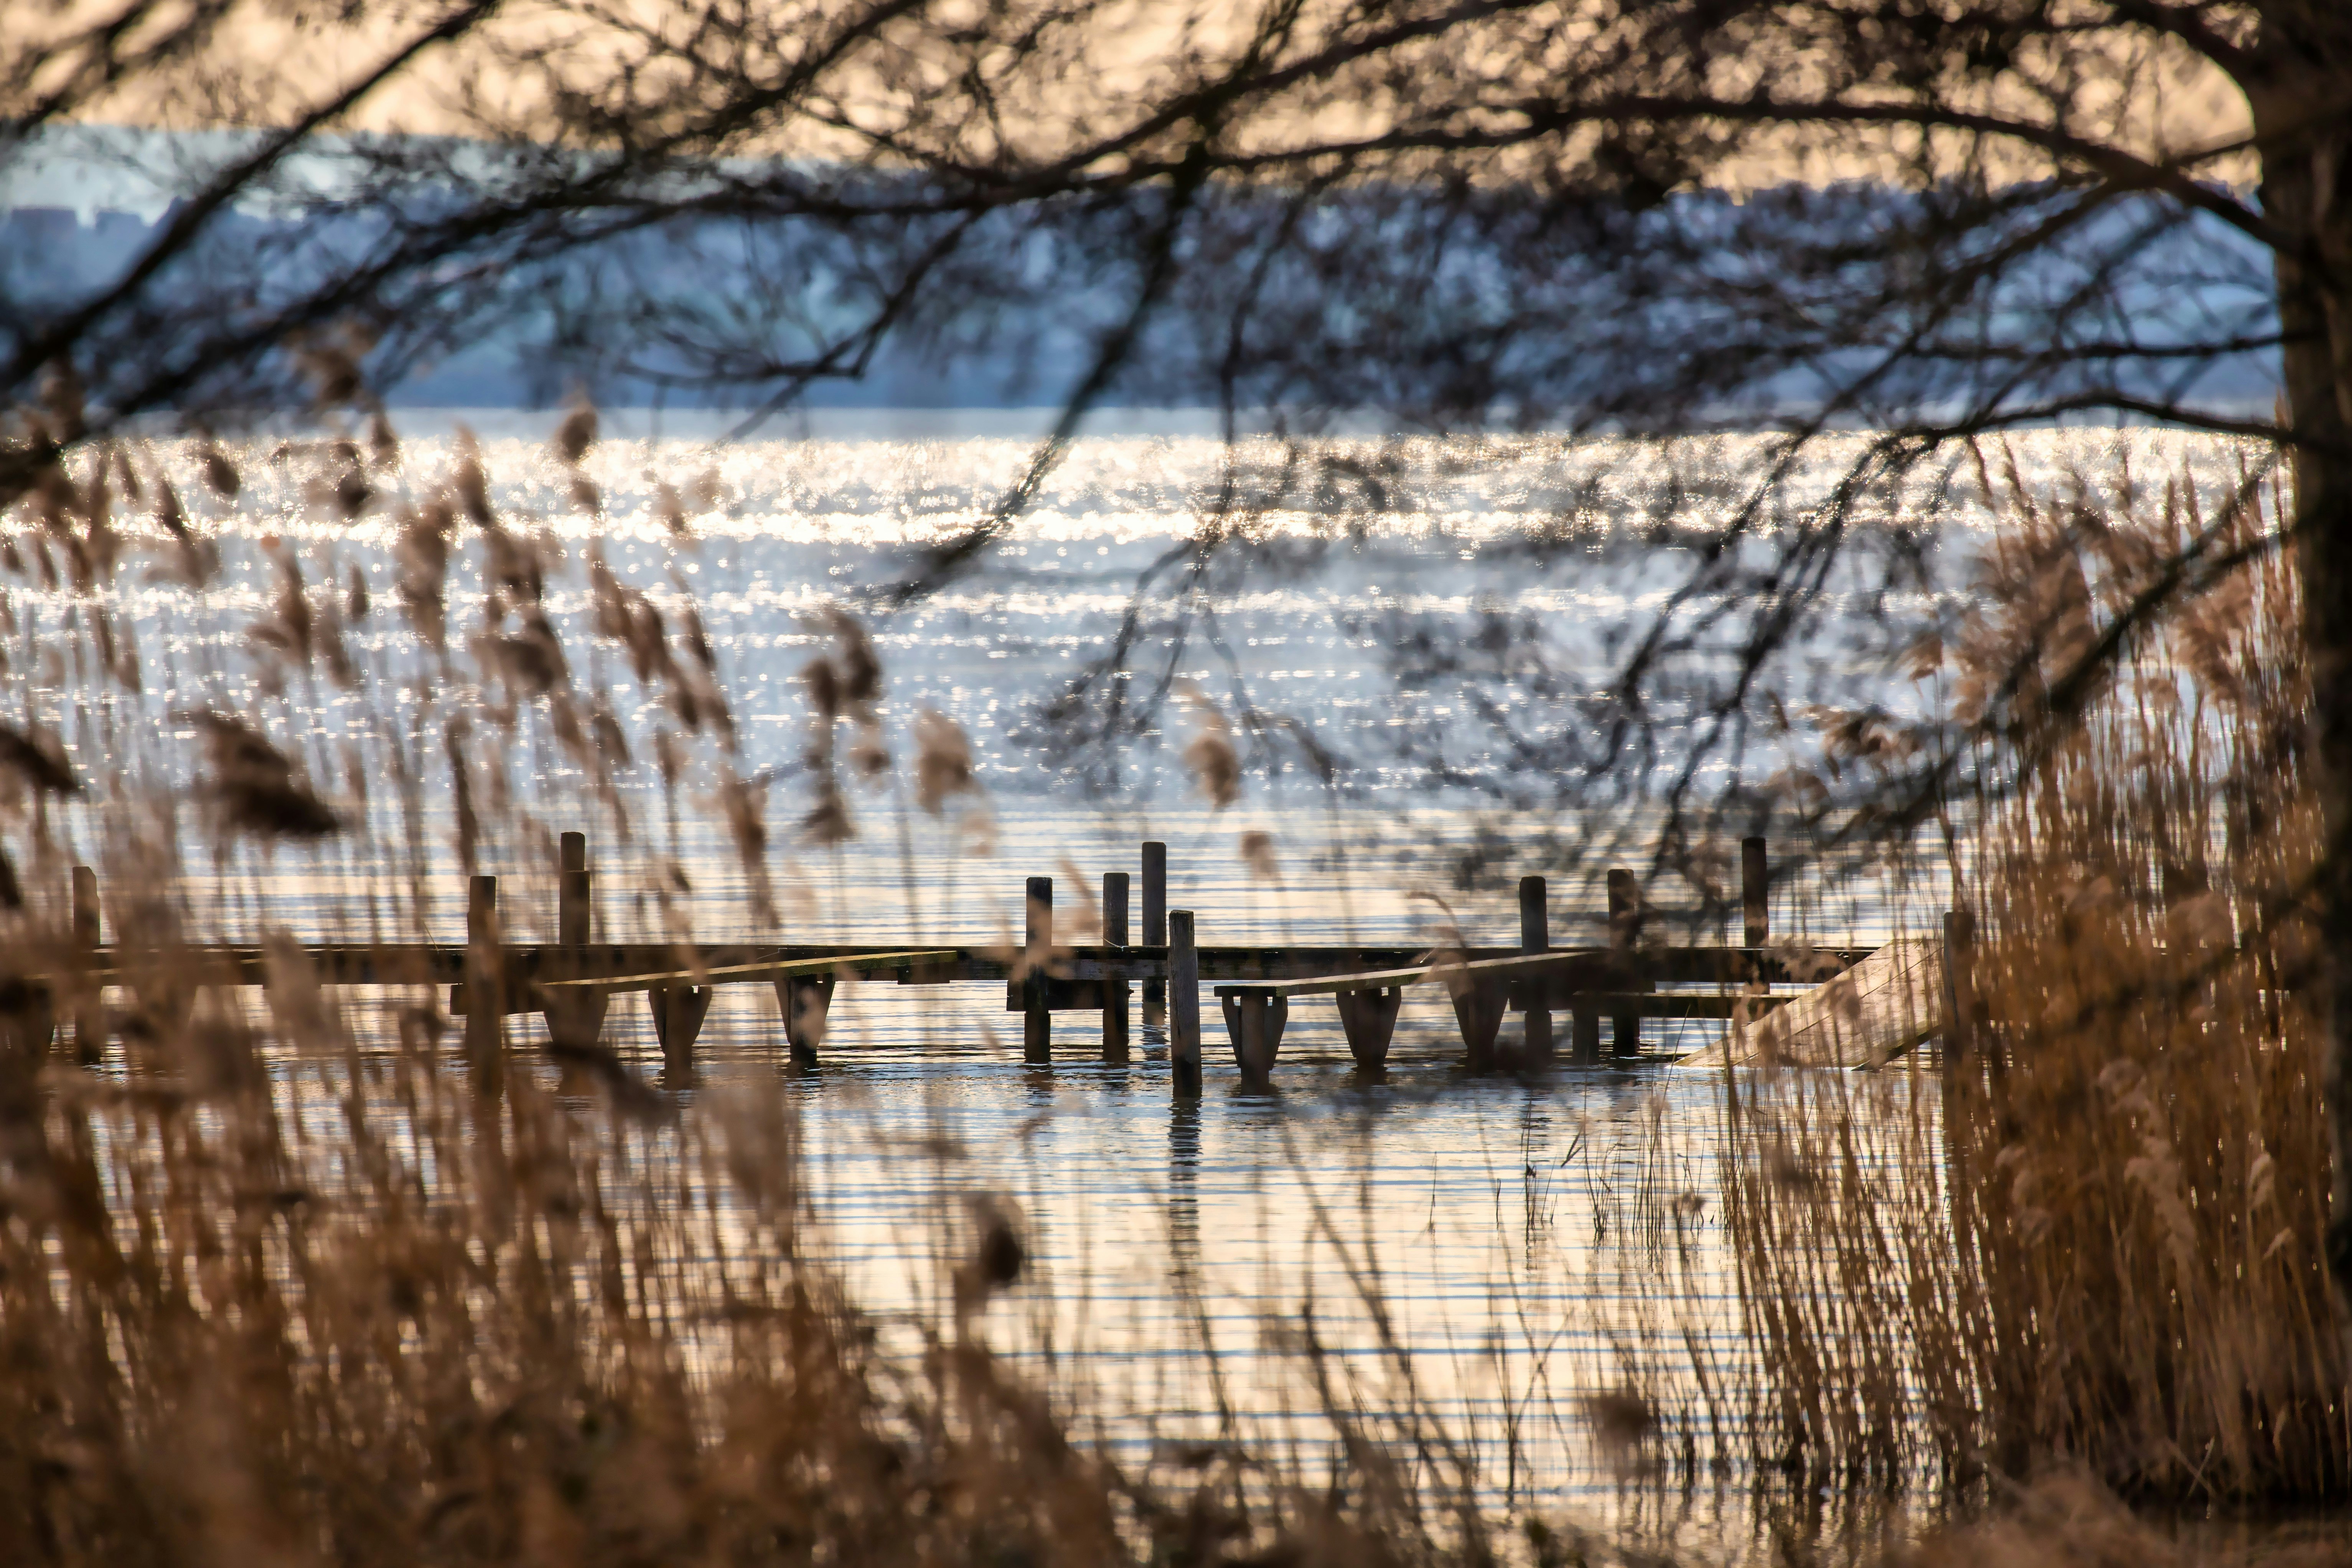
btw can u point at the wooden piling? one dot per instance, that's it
(1755, 886)
(1183, 1005)
(1960, 988)
(1036, 1017)
(89, 932)
(575, 1021)
(1625, 934)
(1535, 936)
(485, 986)
(1586, 1032)
(1114, 1016)
(1155, 926)
(572, 901)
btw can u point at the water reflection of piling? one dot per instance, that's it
(1184, 1175)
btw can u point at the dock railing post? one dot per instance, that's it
(89, 932)
(1036, 1017)
(1113, 992)
(1155, 926)
(1535, 936)
(486, 1002)
(1625, 933)
(1183, 1005)
(1755, 885)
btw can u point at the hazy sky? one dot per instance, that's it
(271, 60)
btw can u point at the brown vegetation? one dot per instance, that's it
(2104, 1249)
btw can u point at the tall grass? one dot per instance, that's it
(2096, 1241)
(294, 1276)
(297, 1281)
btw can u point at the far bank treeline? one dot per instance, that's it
(718, 286)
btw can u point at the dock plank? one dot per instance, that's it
(1451, 969)
(1865, 1017)
(852, 966)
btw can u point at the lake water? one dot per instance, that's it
(1528, 1244)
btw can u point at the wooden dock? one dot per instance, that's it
(1863, 1018)
(572, 981)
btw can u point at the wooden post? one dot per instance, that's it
(486, 1002)
(1036, 1018)
(1183, 1005)
(575, 1020)
(1113, 992)
(1155, 925)
(572, 891)
(89, 1006)
(1960, 988)
(1625, 931)
(87, 930)
(1755, 883)
(1535, 936)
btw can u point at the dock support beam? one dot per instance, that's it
(1114, 1013)
(1155, 926)
(1479, 1009)
(679, 1012)
(1036, 1017)
(806, 1003)
(1369, 1020)
(1256, 1024)
(1183, 1005)
(1535, 936)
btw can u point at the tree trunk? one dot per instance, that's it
(2307, 191)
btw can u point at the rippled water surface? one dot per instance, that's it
(1472, 1256)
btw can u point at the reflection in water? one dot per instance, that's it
(1183, 1173)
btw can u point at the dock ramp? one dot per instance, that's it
(1865, 1017)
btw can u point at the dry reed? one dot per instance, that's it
(2098, 1245)
(306, 1283)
